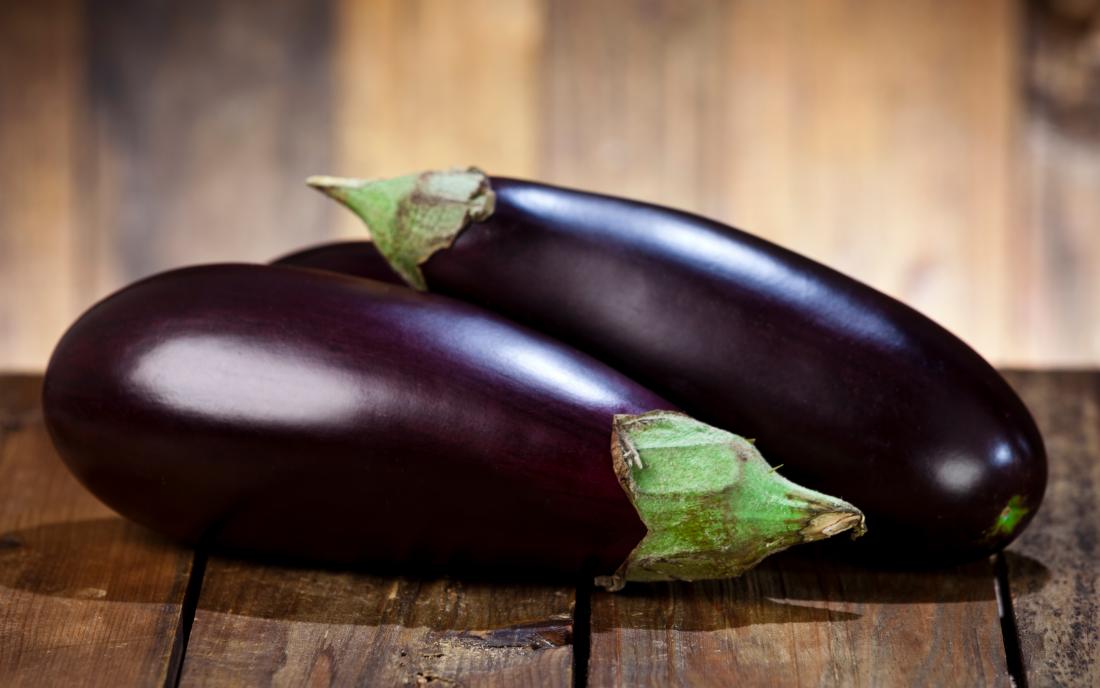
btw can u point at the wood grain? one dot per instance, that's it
(946, 154)
(1057, 241)
(424, 84)
(40, 49)
(636, 98)
(205, 117)
(876, 138)
(268, 625)
(85, 597)
(1054, 568)
(801, 619)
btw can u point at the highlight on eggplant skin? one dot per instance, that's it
(853, 392)
(303, 414)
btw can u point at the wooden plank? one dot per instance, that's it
(1057, 250)
(425, 84)
(1054, 568)
(39, 103)
(205, 119)
(876, 137)
(18, 400)
(268, 625)
(895, 141)
(801, 619)
(636, 99)
(85, 597)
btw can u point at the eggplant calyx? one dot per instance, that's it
(412, 217)
(711, 504)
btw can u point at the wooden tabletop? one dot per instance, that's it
(89, 598)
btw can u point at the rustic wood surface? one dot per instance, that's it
(832, 128)
(1054, 569)
(801, 619)
(944, 152)
(202, 120)
(40, 84)
(422, 84)
(1058, 240)
(263, 625)
(86, 598)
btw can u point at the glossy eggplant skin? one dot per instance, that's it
(358, 258)
(315, 416)
(856, 394)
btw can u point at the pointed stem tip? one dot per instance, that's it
(414, 216)
(711, 504)
(833, 523)
(335, 187)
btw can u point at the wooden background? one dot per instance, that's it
(947, 153)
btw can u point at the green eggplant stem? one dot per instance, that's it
(412, 217)
(711, 504)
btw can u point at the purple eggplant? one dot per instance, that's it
(358, 258)
(310, 415)
(854, 392)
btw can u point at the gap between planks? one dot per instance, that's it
(582, 632)
(1010, 632)
(187, 619)
(582, 624)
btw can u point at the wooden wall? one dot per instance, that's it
(947, 153)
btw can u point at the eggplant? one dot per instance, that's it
(297, 413)
(855, 393)
(358, 258)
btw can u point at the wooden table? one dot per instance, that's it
(88, 598)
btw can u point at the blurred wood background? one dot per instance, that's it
(946, 153)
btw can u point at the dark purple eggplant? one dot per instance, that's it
(310, 415)
(855, 393)
(358, 258)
